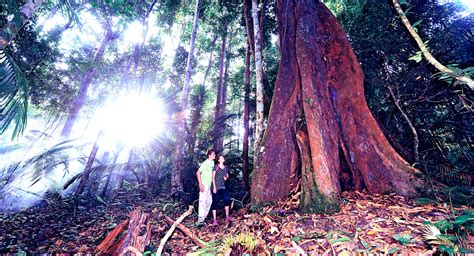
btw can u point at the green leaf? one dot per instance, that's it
(417, 23)
(296, 238)
(100, 199)
(342, 239)
(365, 244)
(402, 239)
(417, 57)
(393, 250)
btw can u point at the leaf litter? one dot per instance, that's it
(366, 224)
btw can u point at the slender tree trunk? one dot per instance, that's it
(11, 29)
(136, 56)
(209, 65)
(249, 26)
(245, 140)
(320, 84)
(218, 146)
(176, 176)
(463, 79)
(88, 167)
(85, 83)
(259, 122)
(109, 176)
(416, 142)
(221, 112)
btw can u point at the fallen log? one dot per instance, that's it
(187, 232)
(138, 235)
(109, 241)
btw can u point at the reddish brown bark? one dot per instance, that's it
(275, 171)
(138, 235)
(320, 77)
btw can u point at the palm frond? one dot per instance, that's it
(13, 96)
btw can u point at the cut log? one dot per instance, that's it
(138, 235)
(103, 248)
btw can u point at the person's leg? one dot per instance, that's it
(226, 199)
(215, 201)
(207, 200)
(202, 206)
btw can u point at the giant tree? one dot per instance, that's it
(319, 115)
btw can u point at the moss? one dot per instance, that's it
(317, 202)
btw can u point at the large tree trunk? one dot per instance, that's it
(217, 115)
(176, 176)
(259, 126)
(320, 84)
(245, 142)
(85, 83)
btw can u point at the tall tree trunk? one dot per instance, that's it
(11, 28)
(259, 122)
(136, 55)
(85, 83)
(88, 167)
(320, 83)
(245, 140)
(109, 175)
(176, 176)
(219, 98)
(209, 64)
(249, 25)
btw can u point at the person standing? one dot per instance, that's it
(219, 175)
(204, 177)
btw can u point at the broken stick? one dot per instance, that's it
(187, 232)
(173, 227)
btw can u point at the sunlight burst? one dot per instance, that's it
(133, 120)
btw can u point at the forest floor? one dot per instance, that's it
(375, 224)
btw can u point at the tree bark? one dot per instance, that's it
(176, 176)
(209, 64)
(88, 167)
(10, 30)
(249, 25)
(245, 142)
(218, 146)
(85, 83)
(259, 122)
(320, 84)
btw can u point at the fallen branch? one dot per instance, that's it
(173, 227)
(187, 232)
(464, 79)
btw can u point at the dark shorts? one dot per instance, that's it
(222, 194)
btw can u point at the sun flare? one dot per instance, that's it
(132, 120)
